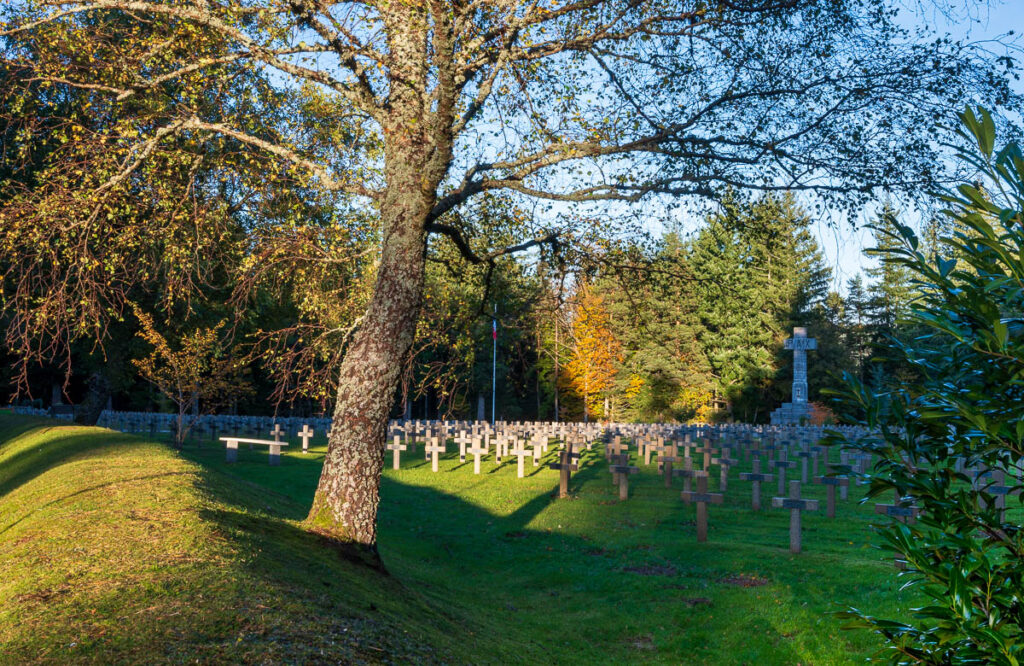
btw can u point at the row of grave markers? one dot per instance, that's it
(776, 449)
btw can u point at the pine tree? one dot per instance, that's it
(760, 272)
(664, 374)
(856, 333)
(890, 292)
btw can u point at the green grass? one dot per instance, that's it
(114, 549)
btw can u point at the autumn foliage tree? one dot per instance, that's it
(596, 353)
(426, 105)
(198, 376)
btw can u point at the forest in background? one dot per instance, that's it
(689, 327)
(211, 240)
(685, 327)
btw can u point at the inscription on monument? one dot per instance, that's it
(797, 409)
(800, 343)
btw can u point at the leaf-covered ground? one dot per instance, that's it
(113, 549)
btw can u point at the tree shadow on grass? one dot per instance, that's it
(439, 547)
(457, 570)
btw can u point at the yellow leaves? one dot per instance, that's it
(596, 352)
(200, 369)
(698, 400)
(635, 385)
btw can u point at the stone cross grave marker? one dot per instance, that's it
(277, 432)
(755, 477)
(615, 448)
(498, 441)
(804, 454)
(844, 469)
(702, 498)
(275, 452)
(435, 446)
(667, 456)
(542, 441)
(568, 462)
(621, 469)
(832, 482)
(724, 462)
(819, 453)
(462, 440)
(708, 451)
(396, 447)
(796, 506)
(538, 450)
(520, 451)
(687, 472)
(306, 433)
(476, 450)
(646, 447)
(781, 465)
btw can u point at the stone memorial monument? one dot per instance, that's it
(797, 411)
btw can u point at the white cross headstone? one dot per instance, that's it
(305, 434)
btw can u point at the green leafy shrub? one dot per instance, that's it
(944, 439)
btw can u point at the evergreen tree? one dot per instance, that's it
(890, 293)
(759, 272)
(857, 336)
(665, 375)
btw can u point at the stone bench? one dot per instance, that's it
(233, 442)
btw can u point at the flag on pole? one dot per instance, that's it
(494, 329)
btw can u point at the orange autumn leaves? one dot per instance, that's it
(596, 353)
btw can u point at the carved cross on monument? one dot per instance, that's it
(797, 410)
(799, 344)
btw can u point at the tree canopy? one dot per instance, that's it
(272, 122)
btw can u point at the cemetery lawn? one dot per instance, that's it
(114, 549)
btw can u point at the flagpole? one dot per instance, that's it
(494, 360)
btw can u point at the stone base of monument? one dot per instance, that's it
(792, 413)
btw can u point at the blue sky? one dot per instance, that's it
(842, 243)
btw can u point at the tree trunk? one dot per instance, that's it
(345, 504)
(556, 367)
(96, 399)
(179, 431)
(417, 154)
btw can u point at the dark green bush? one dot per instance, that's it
(943, 439)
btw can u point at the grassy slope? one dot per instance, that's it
(117, 550)
(112, 549)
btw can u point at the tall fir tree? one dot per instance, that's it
(759, 272)
(889, 294)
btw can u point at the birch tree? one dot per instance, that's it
(430, 103)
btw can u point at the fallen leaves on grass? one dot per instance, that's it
(744, 580)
